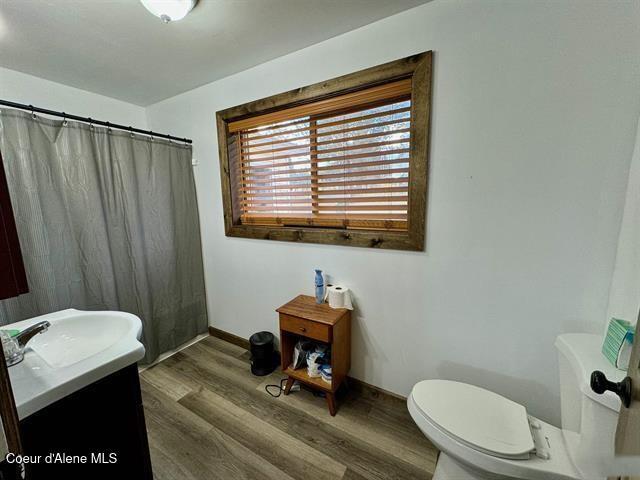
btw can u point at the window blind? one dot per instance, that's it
(340, 162)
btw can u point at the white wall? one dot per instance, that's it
(624, 294)
(534, 110)
(22, 88)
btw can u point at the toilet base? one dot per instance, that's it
(448, 469)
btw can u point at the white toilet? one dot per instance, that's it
(482, 435)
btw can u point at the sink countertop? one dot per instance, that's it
(37, 383)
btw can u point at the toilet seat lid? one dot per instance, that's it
(477, 417)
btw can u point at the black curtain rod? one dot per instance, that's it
(91, 121)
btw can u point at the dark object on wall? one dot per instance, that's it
(103, 421)
(264, 358)
(13, 280)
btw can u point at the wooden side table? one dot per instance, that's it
(303, 317)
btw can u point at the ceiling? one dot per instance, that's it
(117, 48)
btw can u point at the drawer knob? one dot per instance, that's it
(302, 329)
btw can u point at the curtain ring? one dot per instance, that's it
(131, 131)
(109, 128)
(90, 123)
(33, 114)
(64, 119)
(151, 136)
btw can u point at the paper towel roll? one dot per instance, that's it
(338, 296)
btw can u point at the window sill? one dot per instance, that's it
(331, 236)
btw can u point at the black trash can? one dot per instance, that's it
(264, 358)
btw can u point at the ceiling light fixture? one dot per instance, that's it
(169, 10)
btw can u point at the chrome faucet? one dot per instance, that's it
(14, 346)
(28, 333)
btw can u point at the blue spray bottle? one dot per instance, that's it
(319, 287)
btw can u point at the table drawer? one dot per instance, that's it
(306, 328)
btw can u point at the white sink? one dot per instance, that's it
(75, 338)
(79, 348)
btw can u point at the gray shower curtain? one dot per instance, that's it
(106, 221)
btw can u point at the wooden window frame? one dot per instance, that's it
(416, 67)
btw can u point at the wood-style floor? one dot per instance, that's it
(209, 418)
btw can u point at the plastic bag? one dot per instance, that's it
(300, 353)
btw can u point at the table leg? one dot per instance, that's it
(331, 402)
(287, 387)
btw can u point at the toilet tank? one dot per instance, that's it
(589, 420)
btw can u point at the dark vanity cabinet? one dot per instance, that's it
(102, 423)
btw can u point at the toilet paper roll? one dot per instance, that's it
(338, 296)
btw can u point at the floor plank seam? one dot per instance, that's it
(211, 388)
